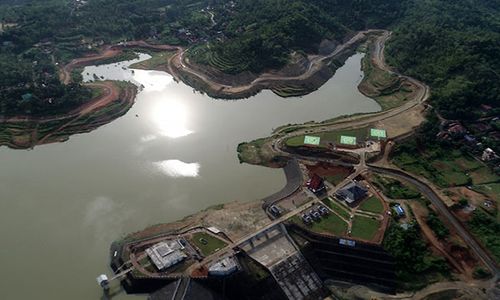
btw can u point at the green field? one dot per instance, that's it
(483, 175)
(157, 59)
(395, 189)
(329, 224)
(212, 246)
(348, 140)
(378, 133)
(334, 137)
(312, 140)
(364, 228)
(372, 204)
(445, 168)
(337, 208)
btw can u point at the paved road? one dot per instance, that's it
(293, 183)
(439, 205)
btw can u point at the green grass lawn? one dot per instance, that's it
(336, 179)
(337, 208)
(364, 228)
(157, 59)
(213, 244)
(330, 224)
(330, 137)
(372, 204)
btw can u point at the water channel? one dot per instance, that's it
(172, 154)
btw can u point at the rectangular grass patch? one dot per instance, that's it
(212, 245)
(312, 140)
(378, 133)
(348, 140)
(372, 204)
(364, 227)
(337, 208)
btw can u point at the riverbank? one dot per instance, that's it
(303, 75)
(113, 101)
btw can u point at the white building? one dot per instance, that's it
(166, 254)
(223, 267)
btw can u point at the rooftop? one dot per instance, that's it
(166, 254)
(224, 266)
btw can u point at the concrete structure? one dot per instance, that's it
(352, 193)
(103, 281)
(349, 243)
(214, 230)
(166, 254)
(223, 267)
(275, 250)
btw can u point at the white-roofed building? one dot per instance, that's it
(223, 267)
(166, 254)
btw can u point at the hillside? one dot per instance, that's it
(452, 46)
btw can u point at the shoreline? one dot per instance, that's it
(314, 72)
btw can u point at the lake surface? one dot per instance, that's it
(172, 154)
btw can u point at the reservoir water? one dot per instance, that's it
(172, 154)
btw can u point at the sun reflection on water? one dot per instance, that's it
(171, 118)
(177, 168)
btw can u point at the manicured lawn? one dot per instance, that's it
(372, 204)
(337, 208)
(330, 224)
(295, 141)
(364, 228)
(213, 244)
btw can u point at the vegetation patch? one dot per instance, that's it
(364, 227)
(437, 225)
(486, 228)
(157, 60)
(416, 266)
(372, 204)
(394, 188)
(256, 153)
(338, 208)
(389, 90)
(207, 243)
(328, 224)
(445, 167)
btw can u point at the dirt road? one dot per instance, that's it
(178, 65)
(110, 93)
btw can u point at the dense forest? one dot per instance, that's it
(454, 47)
(451, 45)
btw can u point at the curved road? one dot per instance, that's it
(443, 210)
(316, 62)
